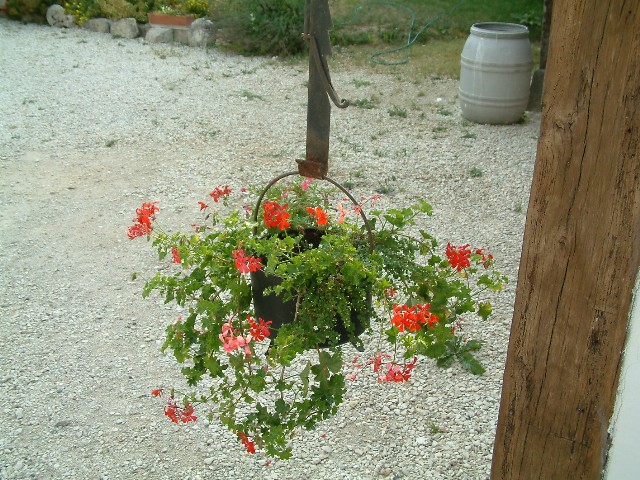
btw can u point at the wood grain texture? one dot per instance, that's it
(581, 250)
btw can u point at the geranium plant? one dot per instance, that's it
(324, 273)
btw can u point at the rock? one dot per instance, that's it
(159, 35)
(100, 25)
(126, 28)
(57, 18)
(208, 461)
(385, 472)
(144, 28)
(181, 35)
(202, 33)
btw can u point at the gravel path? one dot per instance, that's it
(91, 126)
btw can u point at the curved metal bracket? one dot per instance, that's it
(323, 68)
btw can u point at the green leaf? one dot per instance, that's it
(446, 361)
(332, 362)
(468, 361)
(471, 345)
(424, 207)
(281, 406)
(304, 376)
(257, 383)
(484, 310)
(435, 350)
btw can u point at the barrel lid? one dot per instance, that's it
(499, 30)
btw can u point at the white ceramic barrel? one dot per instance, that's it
(495, 73)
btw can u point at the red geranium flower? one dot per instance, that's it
(248, 444)
(399, 373)
(219, 192)
(276, 215)
(321, 215)
(260, 330)
(412, 318)
(458, 256)
(142, 220)
(176, 255)
(246, 264)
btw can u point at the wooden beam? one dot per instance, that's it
(581, 250)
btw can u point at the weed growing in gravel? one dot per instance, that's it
(468, 134)
(246, 94)
(444, 112)
(475, 172)
(367, 103)
(361, 83)
(396, 111)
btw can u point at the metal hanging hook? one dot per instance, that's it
(319, 90)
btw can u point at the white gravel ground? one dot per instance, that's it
(91, 126)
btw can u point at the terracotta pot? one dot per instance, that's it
(165, 20)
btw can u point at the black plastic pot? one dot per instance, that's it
(280, 312)
(273, 307)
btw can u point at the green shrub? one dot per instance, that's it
(34, 10)
(111, 9)
(83, 10)
(263, 27)
(118, 9)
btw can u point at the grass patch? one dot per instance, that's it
(468, 134)
(361, 83)
(397, 112)
(250, 95)
(475, 172)
(367, 103)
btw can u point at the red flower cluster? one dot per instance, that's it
(142, 225)
(176, 255)
(175, 412)
(412, 318)
(398, 373)
(258, 331)
(218, 192)
(202, 205)
(246, 264)
(459, 257)
(394, 371)
(248, 444)
(276, 215)
(321, 215)
(487, 258)
(232, 342)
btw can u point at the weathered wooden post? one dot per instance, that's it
(581, 251)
